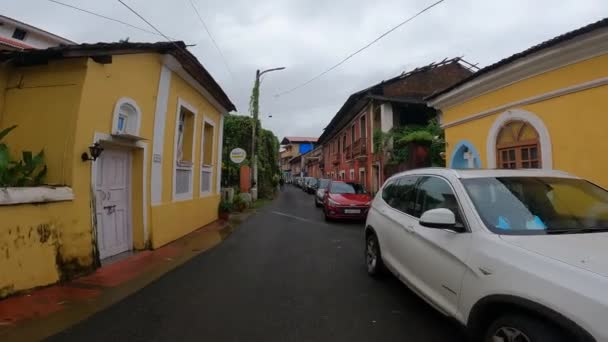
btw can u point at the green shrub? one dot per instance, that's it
(239, 204)
(225, 207)
(29, 171)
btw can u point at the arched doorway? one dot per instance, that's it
(518, 146)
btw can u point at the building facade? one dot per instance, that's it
(16, 35)
(349, 149)
(292, 147)
(541, 108)
(157, 114)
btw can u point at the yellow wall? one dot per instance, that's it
(576, 122)
(60, 107)
(31, 243)
(43, 101)
(172, 219)
(134, 76)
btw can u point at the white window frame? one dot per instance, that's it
(207, 168)
(342, 175)
(128, 118)
(187, 195)
(363, 181)
(352, 174)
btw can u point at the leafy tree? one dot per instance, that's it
(237, 133)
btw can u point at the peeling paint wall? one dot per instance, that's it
(35, 245)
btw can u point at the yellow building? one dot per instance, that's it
(544, 107)
(157, 114)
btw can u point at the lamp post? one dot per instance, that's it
(255, 98)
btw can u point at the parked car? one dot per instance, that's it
(345, 200)
(514, 255)
(320, 193)
(309, 184)
(297, 181)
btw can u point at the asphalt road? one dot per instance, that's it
(283, 275)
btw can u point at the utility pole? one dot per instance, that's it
(255, 107)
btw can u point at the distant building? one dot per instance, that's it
(348, 140)
(293, 147)
(16, 35)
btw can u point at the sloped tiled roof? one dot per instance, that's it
(544, 45)
(289, 140)
(176, 49)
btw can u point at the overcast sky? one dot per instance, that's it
(308, 36)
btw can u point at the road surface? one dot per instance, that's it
(283, 275)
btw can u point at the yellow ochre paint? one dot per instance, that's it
(576, 122)
(59, 107)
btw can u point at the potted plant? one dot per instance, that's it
(224, 210)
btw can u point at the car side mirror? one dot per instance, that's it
(440, 218)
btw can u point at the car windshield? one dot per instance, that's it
(347, 188)
(323, 183)
(539, 205)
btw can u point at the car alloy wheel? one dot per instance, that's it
(371, 254)
(508, 334)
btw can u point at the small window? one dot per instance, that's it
(433, 193)
(126, 119)
(352, 175)
(207, 158)
(362, 127)
(184, 152)
(19, 34)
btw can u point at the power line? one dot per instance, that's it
(104, 17)
(147, 22)
(358, 51)
(200, 18)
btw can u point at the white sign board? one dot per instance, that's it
(237, 155)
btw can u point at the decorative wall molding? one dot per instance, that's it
(174, 65)
(530, 100)
(582, 48)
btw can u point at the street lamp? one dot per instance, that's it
(255, 98)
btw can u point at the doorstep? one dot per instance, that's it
(45, 311)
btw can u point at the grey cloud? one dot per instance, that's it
(308, 36)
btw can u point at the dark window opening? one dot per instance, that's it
(19, 34)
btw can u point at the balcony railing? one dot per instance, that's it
(360, 148)
(336, 158)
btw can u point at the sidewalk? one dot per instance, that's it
(42, 312)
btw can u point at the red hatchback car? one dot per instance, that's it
(344, 200)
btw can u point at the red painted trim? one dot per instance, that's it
(15, 43)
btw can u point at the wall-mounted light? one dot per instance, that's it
(95, 151)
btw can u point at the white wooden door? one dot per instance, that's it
(112, 197)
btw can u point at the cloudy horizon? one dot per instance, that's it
(307, 37)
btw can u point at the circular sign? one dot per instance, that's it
(237, 155)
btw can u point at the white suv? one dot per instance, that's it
(514, 255)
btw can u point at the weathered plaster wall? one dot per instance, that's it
(33, 246)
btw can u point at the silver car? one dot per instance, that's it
(322, 186)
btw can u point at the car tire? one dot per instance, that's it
(373, 256)
(523, 327)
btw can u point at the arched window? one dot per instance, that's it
(518, 146)
(127, 117)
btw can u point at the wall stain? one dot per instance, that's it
(44, 232)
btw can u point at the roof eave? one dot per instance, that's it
(574, 49)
